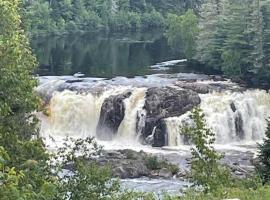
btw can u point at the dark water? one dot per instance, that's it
(103, 55)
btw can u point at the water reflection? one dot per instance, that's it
(102, 55)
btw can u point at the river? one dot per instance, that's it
(104, 55)
(134, 92)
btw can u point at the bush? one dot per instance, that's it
(153, 163)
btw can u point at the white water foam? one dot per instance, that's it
(75, 115)
(235, 117)
(127, 130)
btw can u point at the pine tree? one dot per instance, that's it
(264, 73)
(264, 157)
(260, 59)
(237, 47)
(210, 39)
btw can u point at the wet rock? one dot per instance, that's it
(233, 107)
(183, 174)
(162, 103)
(161, 134)
(130, 169)
(165, 173)
(125, 163)
(217, 78)
(74, 81)
(239, 126)
(111, 115)
(113, 155)
(199, 88)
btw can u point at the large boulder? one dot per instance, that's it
(111, 115)
(125, 163)
(194, 86)
(162, 103)
(165, 173)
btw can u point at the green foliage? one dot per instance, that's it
(30, 182)
(153, 163)
(40, 15)
(263, 166)
(16, 83)
(125, 21)
(182, 31)
(152, 19)
(234, 39)
(262, 193)
(83, 178)
(24, 172)
(205, 167)
(62, 16)
(27, 171)
(231, 65)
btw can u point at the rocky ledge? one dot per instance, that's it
(131, 164)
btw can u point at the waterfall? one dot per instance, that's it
(233, 117)
(74, 109)
(133, 106)
(174, 128)
(74, 114)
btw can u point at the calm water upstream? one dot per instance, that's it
(104, 55)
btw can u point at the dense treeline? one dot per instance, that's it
(58, 16)
(234, 38)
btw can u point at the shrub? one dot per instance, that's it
(152, 163)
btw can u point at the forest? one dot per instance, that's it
(230, 38)
(225, 36)
(52, 16)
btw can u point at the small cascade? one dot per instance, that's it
(174, 128)
(237, 116)
(74, 114)
(133, 107)
(141, 118)
(233, 117)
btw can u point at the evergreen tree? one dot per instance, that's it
(263, 73)
(210, 41)
(234, 38)
(237, 48)
(264, 157)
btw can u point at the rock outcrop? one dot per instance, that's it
(162, 103)
(111, 115)
(131, 164)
